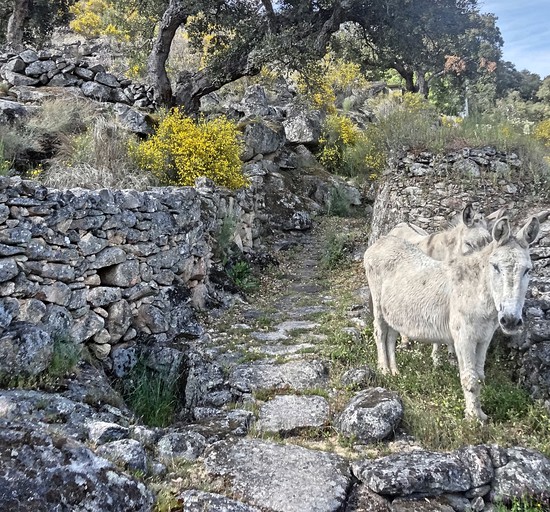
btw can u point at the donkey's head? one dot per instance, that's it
(510, 264)
(471, 232)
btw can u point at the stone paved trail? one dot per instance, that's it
(272, 350)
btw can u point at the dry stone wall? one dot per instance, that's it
(429, 190)
(104, 267)
(55, 68)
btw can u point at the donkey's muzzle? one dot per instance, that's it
(510, 324)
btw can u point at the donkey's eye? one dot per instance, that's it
(496, 267)
(527, 270)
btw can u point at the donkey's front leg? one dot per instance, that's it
(471, 385)
(481, 355)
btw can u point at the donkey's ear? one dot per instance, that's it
(468, 215)
(498, 214)
(501, 230)
(529, 232)
(542, 216)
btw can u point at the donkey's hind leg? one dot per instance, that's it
(380, 336)
(391, 338)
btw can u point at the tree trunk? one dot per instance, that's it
(407, 75)
(173, 17)
(16, 22)
(191, 87)
(423, 86)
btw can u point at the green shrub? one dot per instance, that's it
(5, 165)
(338, 203)
(241, 274)
(183, 150)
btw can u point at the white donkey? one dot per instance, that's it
(460, 302)
(464, 236)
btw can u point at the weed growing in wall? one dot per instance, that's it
(150, 395)
(183, 150)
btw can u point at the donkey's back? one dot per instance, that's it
(410, 290)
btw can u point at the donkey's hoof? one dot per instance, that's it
(478, 415)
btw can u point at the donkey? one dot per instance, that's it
(460, 302)
(467, 235)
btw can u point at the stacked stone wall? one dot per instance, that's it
(103, 267)
(54, 68)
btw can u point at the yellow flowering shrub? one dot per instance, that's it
(348, 151)
(88, 17)
(323, 80)
(542, 132)
(183, 150)
(93, 18)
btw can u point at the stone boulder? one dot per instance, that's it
(43, 472)
(372, 415)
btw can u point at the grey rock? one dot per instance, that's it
(40, 471)
(297, 375)
(303, 127)
(418, 471)
(28, 56)
(96, 91)
(420, 505)
(358, 377)
(107, 79)
(39, 67)
(124, 358)
(86, 327)
(287, 413)
(108, 257)
(151, 317)
(101, 432)
(16, 65)
(11, 111)
(126, 453)
(281, 478)
(200, 501)
(17, 79)
(180, 446)
(372, 415)
(263, 138)
(119, 319)
(104, 295)
(466, 167)
(8, 269)
(24, 350)
(32, 310)
(9, 309)
(124, 274)
(90, 244)
(478, 460)
(56, 293)
(362, 499)
(526, 471)
(134, 120)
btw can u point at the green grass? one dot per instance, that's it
(150, 396)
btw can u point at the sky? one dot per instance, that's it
(525, 28)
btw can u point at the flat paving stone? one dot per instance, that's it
(283, 350)
(305, 311)
(298, 375)
(286, 413)
(270, 336)
(281, 478)
(200, 501)
(295, 325)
